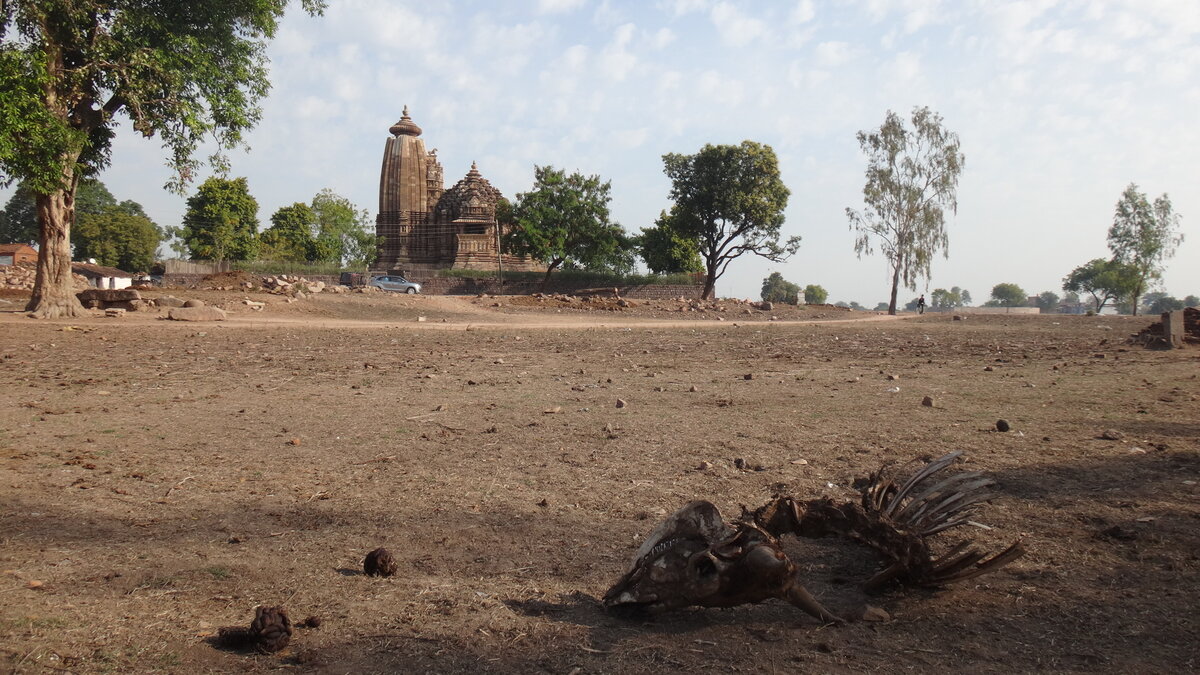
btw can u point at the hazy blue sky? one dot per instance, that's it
(1059, 106)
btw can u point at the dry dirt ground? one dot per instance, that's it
(161, 479)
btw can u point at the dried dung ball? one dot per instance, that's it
(380, 563)
(272, 629)
(1002, 425)
(311, 622)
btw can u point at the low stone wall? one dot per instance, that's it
(471, 286)
(998, 310)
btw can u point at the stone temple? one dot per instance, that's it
(424, 227)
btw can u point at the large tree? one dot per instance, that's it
(1104, 279)
(815, 294)
(729, 199)
(1143, 236)
(912, 180)
(184, 71)
(221, 221)
(564, 221)
(289, 239)
(344, 234)
(666, 251)
(1009, 295)
(777, 289)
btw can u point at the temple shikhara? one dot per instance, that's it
(421, 225)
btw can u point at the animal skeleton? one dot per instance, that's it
(695, 558)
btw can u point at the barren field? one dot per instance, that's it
(161, 479)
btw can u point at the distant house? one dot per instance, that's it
(99, 276)
(11, 254)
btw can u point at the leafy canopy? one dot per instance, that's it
(777, 289)
(221, 221)
(289, 239)
(815, 295)
(666, 251)
(1104, 279)
(1143, 236)
(912, 180)
(564, 222)
(729, 199)
(1009, 295)
(344, 234)
(182, 71)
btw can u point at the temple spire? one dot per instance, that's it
(405, 127)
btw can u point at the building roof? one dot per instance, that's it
(15, 248)
(90, 270)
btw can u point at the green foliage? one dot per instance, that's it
(564, 222)
(120, 236)
(912, 180)
(1191, 301)
(666, 251)
(777, 289)
(1104, 279)
(729, 199)
(286, 267)
(1047, 301)
(289, 239)
(1009, 295)
(19, 223)
(221, 222)
(1159, 302)
(942, 300)
(344, 233)
(186, 72)
(1143, 236)
(881, 307)
(815, 295)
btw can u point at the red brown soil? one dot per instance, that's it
(161, 479)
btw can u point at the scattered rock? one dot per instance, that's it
(704, 466)
(193, 302)
(693, 389)
(1002, 425)
(380, 563)
(34, 583)
(988, 369)
(114, 312)
(544, 503)
(294, 441)
(311, 622)
(927, 401)
(1112, 435)
(196, 314)
(893, 377)
(748, 376)
(552, 411)
(621, 403)
(420, 319)
(959, 317)
(800, 462)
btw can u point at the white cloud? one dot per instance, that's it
(662, 38)
(559, 6)
(803, 12)
(615, 60)
(679, 8)
(833, 53)
(734, 27)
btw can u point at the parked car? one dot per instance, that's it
(395, 283)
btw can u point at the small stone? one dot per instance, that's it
(1002, 425)
(988, 369)
(294, 441)
(927, 401)
(800, 462)
(739, 463)
(202, 313)
(621, 403)
(876, 614)
(748, 376)
(1112, 435)
(704, 466)
(693, 389)
(552, 411)
(34, 583)
(544, 503)
(893, 377)
(420, 319)
(194, 302)
(1099, 355)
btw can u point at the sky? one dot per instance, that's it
(1059, 105)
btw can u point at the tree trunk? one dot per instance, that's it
(53, 288)
(895, 289)
(710, 282)
(549, 269)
